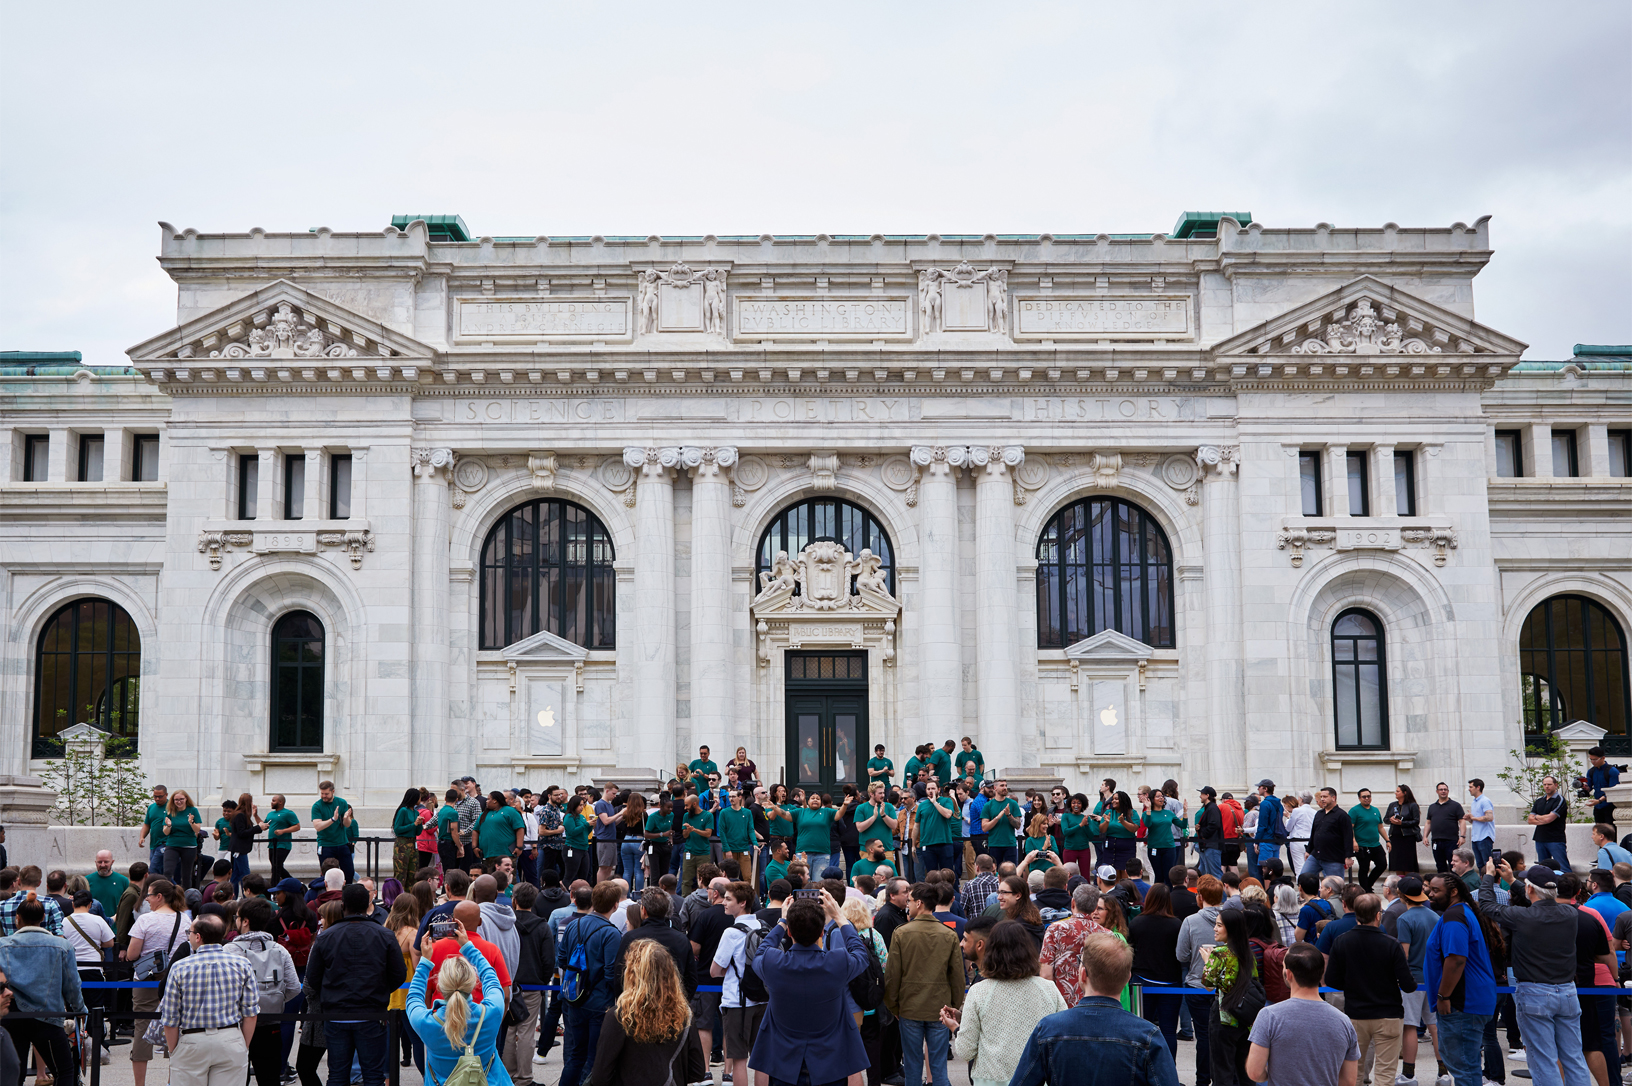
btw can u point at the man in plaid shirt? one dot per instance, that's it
(29, 879)
(979, 888)
(208, 1011)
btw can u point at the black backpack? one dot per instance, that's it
(868, 987)
(749, 982)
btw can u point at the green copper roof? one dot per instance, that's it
(1603, 350)
(1205, 223)
(441, 227)
(39, 358)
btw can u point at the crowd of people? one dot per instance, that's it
(873, 935)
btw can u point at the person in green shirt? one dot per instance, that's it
(970, 756)
(810, 762)
(940, 760)
(181, 827)
(909, 773)
(1370, 858)
(107, 884)
(279, 826)
(872, 858)
(331, 818)
(447, 829)
(879, 768)
(223, 825)
(703, 765)
(814, 830)
(151, 835)
(736, 827)
(1077, 833)
(1000, 818)
(659, 845)
(1118, 824)
(1159, 840)
(876, 821)
(499, 831)
(935, 816)
(778, 867)
(698, 826)
(575, 842)
(1038, 853)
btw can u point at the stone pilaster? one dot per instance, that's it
(940, 650)
(431, 745)
(996, 608)
(650, 739)
(1221, 532)
(713, 720)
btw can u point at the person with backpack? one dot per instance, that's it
(1316, 911)
(458, 1051)
(355, 966)
(924, 975)
(586, 955)
(742, 990)
(275, 978)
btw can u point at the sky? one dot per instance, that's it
(698, 118)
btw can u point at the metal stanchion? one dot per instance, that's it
(97, 1029)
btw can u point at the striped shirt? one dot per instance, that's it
(210, 989)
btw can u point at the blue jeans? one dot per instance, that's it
(939, 857)
(819, 860)
(1001, 854)
(155, 860)
(1163, 1012)
(365, 1040)
(578, 1041)
(1310, 864)
(1212, 862)
(1267, 850)
(342, 854)
(1461, 1036)
(240, 869)
(1552, 854)
(913, 1036)
(1550, 1023)
(629, 852)
(1482, 851)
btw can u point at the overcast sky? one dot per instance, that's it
(894, 118)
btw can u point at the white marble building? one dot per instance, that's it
(1229, 502)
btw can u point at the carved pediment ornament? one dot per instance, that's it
(281, 332)
(826, 594)
(712, 280)
(1361, 329)
(932, 283)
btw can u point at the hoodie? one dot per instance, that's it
(550, 899)
(537, 950)
(1052, 897)
(499, 928)
(1196, 932)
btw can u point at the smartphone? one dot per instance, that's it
(443, 927)
(813, 894)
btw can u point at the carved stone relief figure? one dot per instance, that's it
(868, 569)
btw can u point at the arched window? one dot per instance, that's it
(1104, 564)
(297, 683)
(88, 671)
(547, 565)
(1359, 682)
(816, 519)
(1572, 666)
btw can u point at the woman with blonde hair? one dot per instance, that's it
(181, 826)
(447, 1037)
(647, 1038)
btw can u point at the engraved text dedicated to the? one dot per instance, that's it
(1056, 317)
(812, 317)
(553, 317)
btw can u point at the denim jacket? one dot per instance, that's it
(1095, 1043)
(42, 973)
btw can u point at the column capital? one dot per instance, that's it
(1218, 460)
(653, 461)
(996, 459)
(940, 459)
(707, 461)
(432, 464)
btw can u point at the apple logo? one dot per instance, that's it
(546, 718)
(1107, 716)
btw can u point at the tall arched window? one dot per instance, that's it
(1104, 564)
(297, 683)
(547, 565)
(1359, 682)
(1572, 666)
(816, 519)
(88, 671)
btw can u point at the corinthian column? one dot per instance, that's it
(649, 741)
(712, 719)
(996, 615)
(1221, 540)
(430, 740)
(940, 651)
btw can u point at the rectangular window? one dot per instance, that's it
(1309, 482)
(90, 458)
(1509, 454)
(1359, 493)
(1405, 484)
(249, 479)
(1620, 453)
(1565, 465)
(340, 487)
(36, 458)
(294, 487)
(144, 465)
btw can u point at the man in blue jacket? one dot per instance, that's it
(1271, 822)
(807, 1027)
(599, 938)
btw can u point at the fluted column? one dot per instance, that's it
(1221, 531)
(712, 718)
(996, 608)
(649, 741)
(430, 740)
(940, 650)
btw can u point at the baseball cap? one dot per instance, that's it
(1208, 790)
(290, 886)
(831, 872)
(1266, 783)
(1106, 873)
(1542, 876)
(1411, 888)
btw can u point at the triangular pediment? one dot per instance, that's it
(1371, 317)
(281, 323)
(544, 648)
(1109, 647)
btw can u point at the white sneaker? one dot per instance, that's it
(1516, 1054)
(1401, 1080)
(538, 1060)
(1444, 1080)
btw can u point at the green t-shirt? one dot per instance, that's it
(880, 763)
(334, 833)
(878, 831)
(447, 823)
(155, 824)
(967, 756)
(182, 835)
(658, 822)
(910, 773)
(736, 829)
(815, 830)
(697, 843)
(1159, 828)
(1078, 831)
(1366, 821)
(280, 819)
(107, 888)
(864, 866)
(932, 828)
(698, 765)
(941, 762)
(577, 827)
(1039, 845)
(223, 831)
(1001, 835)
(774, 871)
(497, 837)
(1113, 824)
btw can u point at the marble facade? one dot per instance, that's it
(685, 391)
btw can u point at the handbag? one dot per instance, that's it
(1243, 1001)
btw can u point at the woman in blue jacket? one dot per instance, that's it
(451, 1023)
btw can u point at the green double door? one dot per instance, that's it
(826, 721)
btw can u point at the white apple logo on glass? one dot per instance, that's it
(1107, 716)
(546, 718)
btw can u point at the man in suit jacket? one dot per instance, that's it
(806, 1025)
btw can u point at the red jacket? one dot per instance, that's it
(444, 949)
(1232, 814)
